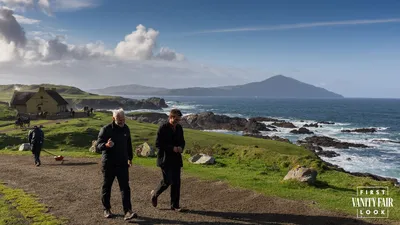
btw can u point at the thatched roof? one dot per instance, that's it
(20, 98)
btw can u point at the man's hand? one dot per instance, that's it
(109, 143)
(178, 149)
(129, 163)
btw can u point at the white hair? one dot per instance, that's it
(119, 112)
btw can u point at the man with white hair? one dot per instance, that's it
(115, 144)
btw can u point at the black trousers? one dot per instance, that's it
(122, 174)
(36, 149)
(171, 177)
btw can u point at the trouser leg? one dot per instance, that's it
(108, 179)
(123, 180)
(164, 183)
(175, 174)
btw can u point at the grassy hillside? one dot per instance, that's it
(243, 162)
(68, 92)
(6, 113)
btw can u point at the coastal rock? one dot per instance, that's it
(361, 130)
(270, 126)
(255, 127)
(330, 142)
(302, 174)
(160, 102)
(266, 119)
(311, 147)
(301, 130)
(202, 159)
(209, 121)
(311, 125)
(357, 174)
(149, 117)
(329, 154)
(326, 122)
(284, 124)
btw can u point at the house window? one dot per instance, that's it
(41, 97)
(39, 108)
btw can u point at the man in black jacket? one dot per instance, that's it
(36, 139)
(170, 143)
(115, 143)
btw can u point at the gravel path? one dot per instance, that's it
(72, 190)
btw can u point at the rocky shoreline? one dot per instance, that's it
(254, 126)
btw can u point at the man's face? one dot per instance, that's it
(174, 120)
(119, 120)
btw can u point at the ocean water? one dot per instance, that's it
(381, 158)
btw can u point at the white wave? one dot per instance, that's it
(234, 115)
(382, 128)
(374, 165)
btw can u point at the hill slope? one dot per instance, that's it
(131, 89)
(275, 87)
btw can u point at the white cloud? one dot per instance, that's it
(17, 3)
(10, 30)
(139, 45)
(299, 26)
(45, 6)
(169, 54)
(8, 51)
(48, 6)
(24, 20)
(44, 56)
(73, 4)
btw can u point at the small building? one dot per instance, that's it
(49, 101)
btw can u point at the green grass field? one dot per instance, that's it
(18, 207)
(244, 162)
(7, 115)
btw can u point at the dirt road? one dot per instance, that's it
(72, 190)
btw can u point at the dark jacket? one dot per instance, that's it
(36, 137)
(122, 151)
(166, 140)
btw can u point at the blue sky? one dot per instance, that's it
(350, 47)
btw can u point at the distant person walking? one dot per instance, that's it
(170, 142)
(114, 142)
(36, 139)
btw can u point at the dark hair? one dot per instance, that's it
(175, 112)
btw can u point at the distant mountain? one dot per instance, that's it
(275, 87)
(131, 89)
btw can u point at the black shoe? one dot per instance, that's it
(37, 164)
(130, 215)
(108, 213)
(153, 199)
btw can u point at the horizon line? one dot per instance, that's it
(298, 26)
